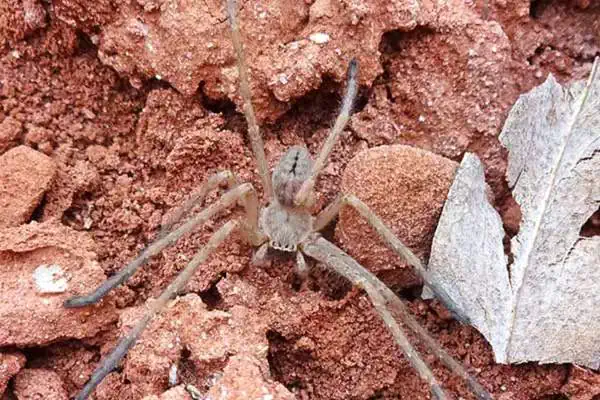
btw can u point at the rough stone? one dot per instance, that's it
(406, 187)
(29, 317)
(176, 393)
(10, 129)
(582, 384)
(19, 19)
(33, 384)
(10, 364)
(211, 337)
(161, 43)
(25, 175)
(73, 361)
(247, 378)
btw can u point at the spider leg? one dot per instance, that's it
(112, 360)
(327, 215)
(244, 192)
(332, 210)
(338, 127)
(214, 181)
(253, 129)
(261, 256)
(327, 253)
(301, 269)
(449, 361)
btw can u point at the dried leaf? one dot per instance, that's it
(546, 307)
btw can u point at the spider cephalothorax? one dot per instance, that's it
(285, 224)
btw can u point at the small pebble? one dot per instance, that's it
(194, 392)
(319, 38)
(50, 278)
(173, 375)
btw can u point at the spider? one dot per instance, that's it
(285, 224)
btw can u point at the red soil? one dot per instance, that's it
(127, 106)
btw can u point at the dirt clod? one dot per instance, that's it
(176, 393)
(246, 378)
(406, 187)
(582, 384)
(25, 175)
(10, 364)
(172, 339)
(10, 130)
(30, 317)
(38, 384)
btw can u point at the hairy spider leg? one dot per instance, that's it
(214, 181)
(256, 141)
(301, 268)
(332, 256)
(155, 307)
(340, 123)
(333, 209)
(389, 238)
(454, 366)
(241, 192)
(327, 215)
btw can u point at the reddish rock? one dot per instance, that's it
(240, 331)
(25, 175)
(10, 364)
(246, 378)
(158, 350)
(582, 384)
(176, 393)
(451, 108)
(344, 337)
(10, 130)
(31, 311)
(187, 139)
(18, 19)
(74, 362)
(406, 187)
(291, 46)
(559, 37)
(211, 337)
(38, 384)
(113, 387)
(450, 92)
(70, 182)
